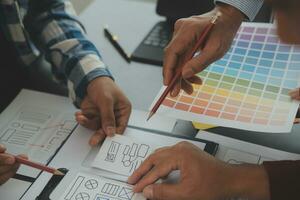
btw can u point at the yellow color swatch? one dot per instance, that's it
(203, 126)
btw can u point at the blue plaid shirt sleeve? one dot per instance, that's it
(61, 37)
(249, 7)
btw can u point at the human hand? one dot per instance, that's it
(105, 109)
(201, 176)
(295, 95)
(186, 32)
(8, 165)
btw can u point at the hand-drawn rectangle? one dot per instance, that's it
(7, 134)
(74, 187)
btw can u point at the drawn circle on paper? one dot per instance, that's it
(126, 163)
(82, 196)
(91, 184)
(16, 125)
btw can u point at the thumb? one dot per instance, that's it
(198, 63)
(2, 148)
(162, 191)
(107, 117)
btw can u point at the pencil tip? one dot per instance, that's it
(58, 173)
(150, 115)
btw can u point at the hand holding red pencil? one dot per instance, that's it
(39, 166)
(176, 79)
(186, 33)
(8, 165)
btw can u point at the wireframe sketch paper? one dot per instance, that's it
(85, 186)
(248, 88)
(36, 124)
(122, 154)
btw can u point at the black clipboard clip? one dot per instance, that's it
(51, 185)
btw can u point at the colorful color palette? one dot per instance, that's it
(248, 88)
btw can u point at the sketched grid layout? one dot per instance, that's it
(132, 155)
(29, 124)
(248, 88)
(89, 188)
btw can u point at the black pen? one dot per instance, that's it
(114, 41)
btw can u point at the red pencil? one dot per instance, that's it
(179, 71)
(38, 166)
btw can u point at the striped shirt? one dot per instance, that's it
(51, 28)
(249, 7)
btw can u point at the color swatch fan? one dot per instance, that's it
(248, 88)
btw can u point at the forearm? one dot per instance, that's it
(273, 180)
(247, 182)
(54, 27)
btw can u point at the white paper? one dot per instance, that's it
(237, 152)
(124, 154)
(36, 124)
(13, 189)
(85, 186)
(160, 123)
